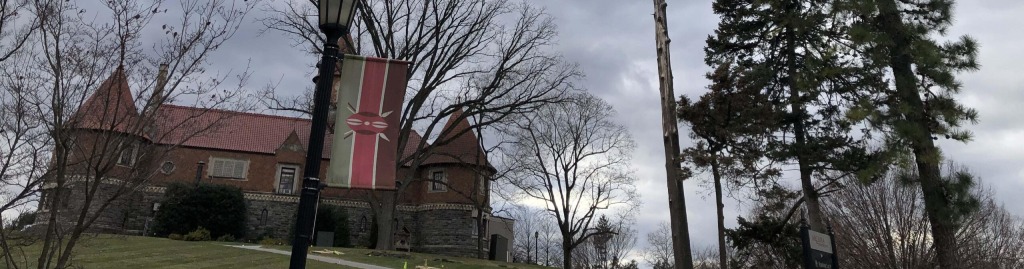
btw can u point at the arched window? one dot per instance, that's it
(363, 224)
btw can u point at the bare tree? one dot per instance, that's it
(92, 141)
(659, 253)
(21, 137)
(549, 252)
(884, 225)
(707, 258)
(576, 160)
(489, 59)
(622, 243)
(528, 221)
(611, 247)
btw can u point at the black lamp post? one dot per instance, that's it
(536, 250)
(335, 18)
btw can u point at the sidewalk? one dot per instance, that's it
(314, 257)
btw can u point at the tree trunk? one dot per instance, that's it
(926, 155)
(385, 214)
(719, 206)
(65, 258)
(566, 253)
(670, 121)
(51, 239)
(814, 215)
(480, 234)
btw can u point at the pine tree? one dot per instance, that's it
(897, 36)
(792, 50)
(728, 124)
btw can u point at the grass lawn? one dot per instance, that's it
(360, 255)
(111, 251)
(108, 251)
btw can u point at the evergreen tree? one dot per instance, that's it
(728, 124)
(794, 52)
(898, 38)
(767, 238)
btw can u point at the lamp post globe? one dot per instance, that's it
(335, 18)
(336, 15)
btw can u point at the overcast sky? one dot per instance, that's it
(613, 41)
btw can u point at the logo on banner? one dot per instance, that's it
(363, 150)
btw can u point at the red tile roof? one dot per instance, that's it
(230, 130)
(240, 131)
(411, 145)
(111, 107)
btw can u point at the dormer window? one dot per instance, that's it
(438, 181)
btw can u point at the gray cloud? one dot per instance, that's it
(613, 41)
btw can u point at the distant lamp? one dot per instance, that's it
(336, 16)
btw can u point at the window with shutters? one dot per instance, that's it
(228, 168)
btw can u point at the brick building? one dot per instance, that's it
(263, 155)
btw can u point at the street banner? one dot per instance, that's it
(370, 96)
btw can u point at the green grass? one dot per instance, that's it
(360, 255)
(110, 251)
(107, 251)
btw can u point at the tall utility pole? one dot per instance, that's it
(669, 124)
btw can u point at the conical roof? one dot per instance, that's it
(462, 145)
(110, 108)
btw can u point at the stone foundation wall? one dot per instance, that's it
(277, 223)
(436, 228)
(447, 230)
(129, 213)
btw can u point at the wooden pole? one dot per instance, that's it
(669, 120)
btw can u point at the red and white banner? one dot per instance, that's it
(370, 95)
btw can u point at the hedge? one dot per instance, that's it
(218, 208)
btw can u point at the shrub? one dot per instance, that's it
(24, 220)
(226, 238)
(219, 209)
(200, 234)
(175, 237)
(335, 219)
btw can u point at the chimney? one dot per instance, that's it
(156, 99)
(161, 82)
